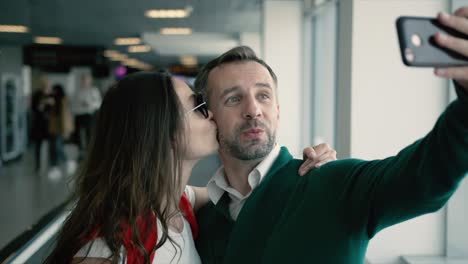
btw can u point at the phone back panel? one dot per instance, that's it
(418, 47)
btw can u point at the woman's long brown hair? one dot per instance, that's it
(132, 167)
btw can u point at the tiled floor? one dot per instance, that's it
(26, 196)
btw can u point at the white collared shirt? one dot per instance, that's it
(218, 183)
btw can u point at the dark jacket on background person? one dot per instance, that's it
(40, 115)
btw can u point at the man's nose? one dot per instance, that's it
(251, 108)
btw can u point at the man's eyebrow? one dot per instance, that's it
(263, 85)
(234, 88)
(229, 90)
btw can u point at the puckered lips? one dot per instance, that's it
(253, 133)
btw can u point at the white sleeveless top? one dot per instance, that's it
(167, 253)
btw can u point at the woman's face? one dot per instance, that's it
(199, 132)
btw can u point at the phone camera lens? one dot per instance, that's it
(409, 55)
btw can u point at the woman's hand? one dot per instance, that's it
(316, 156)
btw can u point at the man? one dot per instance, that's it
(86, 102)
(261, 211)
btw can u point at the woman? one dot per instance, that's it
(131, 204)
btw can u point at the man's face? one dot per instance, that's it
(245, 108)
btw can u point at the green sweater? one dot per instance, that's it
(329, 215)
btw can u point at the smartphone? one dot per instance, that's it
(418, 47)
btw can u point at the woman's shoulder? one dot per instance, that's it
(190, 193)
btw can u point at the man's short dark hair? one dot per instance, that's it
(237, 54)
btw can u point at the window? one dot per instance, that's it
(320, 75)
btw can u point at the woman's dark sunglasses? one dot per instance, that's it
(200, 105)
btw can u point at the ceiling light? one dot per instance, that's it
(139, 48)
(114, 55)
(137, 64)
(167, 13)
(130, 62)
(13, 29)
(176, 31)
(48, 40)
(118, 57)
(127, 41)
(188, 61)
(110, 53)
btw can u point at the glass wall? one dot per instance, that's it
(321, 22)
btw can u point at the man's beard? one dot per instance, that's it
(255, 149)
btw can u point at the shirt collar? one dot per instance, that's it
(217, 185)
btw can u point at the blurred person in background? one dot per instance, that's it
(61, 125)
(42, 103)
(86, 102)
